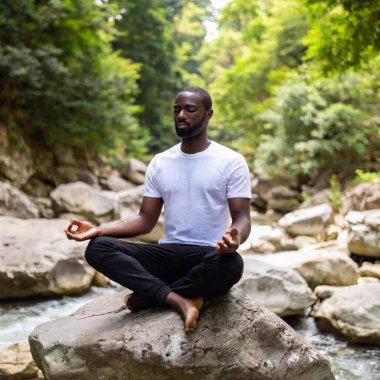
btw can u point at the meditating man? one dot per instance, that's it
(202, 184)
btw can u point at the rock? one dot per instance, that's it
(364, 232)
(45, 207)
(365, 196)
(370, 270)
(80, 198)
(134, 171)
(283, 199)
(319, 198)
(363, 280)
(280, 290)
(308, 221)
(16, 362)
(37, 188)
(131, 197)
(72, 174)
(101, 281)
(304, 241)
(236, 339)
(355, 312)
(114, 182)
(36, 259)
(261, 187)
(269, 217)
(16, 159)
(325, 291)
(263, 239)
(14, 202)
(318, 267)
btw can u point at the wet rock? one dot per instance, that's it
(280, 290)
(14, 202)
(16, 363)
(236, 339)
(36, 259)
(308, 221)
(364, 232)
(355, 312)
(80, 198)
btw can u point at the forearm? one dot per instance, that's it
(243, 226)
(132, 227)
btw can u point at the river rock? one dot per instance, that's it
(318, 267)
(36, 259)
(370, 270)
(235, 339)
(134, 171)
(80, 198)
(283, 199)
(114, 182)
(355, 312)
(365, 196)
(364, 232)
(308, 221)
(280, 290)
(14, 202)
(16, 363)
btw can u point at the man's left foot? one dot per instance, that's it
(136, 302)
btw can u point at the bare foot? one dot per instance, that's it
(136, 302)
(189, 309)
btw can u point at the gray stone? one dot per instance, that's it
(355, 312)
(80, 198)
(235, 339)
(280, 290)
(308, 221)
(134, 171)
(364, 232)
(14, 202)
(36, 259)
(365, 196)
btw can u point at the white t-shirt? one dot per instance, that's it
(195, 189)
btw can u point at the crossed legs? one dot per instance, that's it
(174, 274)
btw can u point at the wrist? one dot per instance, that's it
(99, 231)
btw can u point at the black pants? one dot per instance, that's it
(154, 270)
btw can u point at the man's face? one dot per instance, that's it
(190, 115)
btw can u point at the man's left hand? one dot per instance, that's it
(230, 242)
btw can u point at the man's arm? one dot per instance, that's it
(240, 226)
(139, 225)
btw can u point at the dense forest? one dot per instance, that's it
(295, 83)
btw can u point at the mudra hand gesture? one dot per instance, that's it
(230, 242)
(81, 230)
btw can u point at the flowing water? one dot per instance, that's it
(349, 362)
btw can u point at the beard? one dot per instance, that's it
(191, 131)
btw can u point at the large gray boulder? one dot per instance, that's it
(318, 266)
(365, 196)
(36, 259)
(235, 339)
(280, 290)
(307, 221)
(364, 232)
(14, 202)
(355, 312)
(80, 198)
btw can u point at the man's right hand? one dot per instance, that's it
(83, 230)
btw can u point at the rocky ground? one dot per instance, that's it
(313, 260)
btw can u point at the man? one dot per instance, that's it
(202, 184)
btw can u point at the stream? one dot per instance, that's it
(349, 361)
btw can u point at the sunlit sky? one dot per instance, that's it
(212, 30)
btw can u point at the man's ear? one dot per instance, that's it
(209, 114)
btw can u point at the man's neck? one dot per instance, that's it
(197, 145)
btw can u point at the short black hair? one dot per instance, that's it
(206, 98)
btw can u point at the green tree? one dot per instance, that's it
(60, 80)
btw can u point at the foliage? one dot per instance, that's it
(344, 33)
(61, 82)
(363, 176)
(335, 193)
(317, 124)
